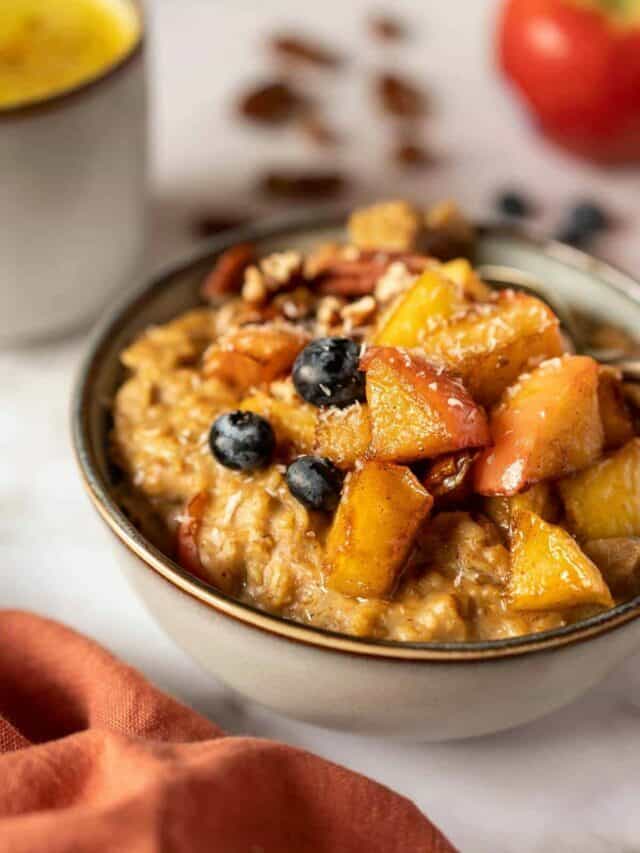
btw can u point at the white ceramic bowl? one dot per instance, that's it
(426, 691)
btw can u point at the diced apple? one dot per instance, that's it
(616, 420)
(418, 411)
(540, 499)
(343, 435)
(430, 299)
(492, 343)
(374, 529)
(548, 569)
(604, 501)
(462, 273)
(619, 561)
(546, 426)
(294, 423)
(253, 355)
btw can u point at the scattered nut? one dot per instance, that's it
(328, 312)
(254, 289)
(398, 96)
(386, 28)
(393, 282)
(292, 185)
(300, 49)
(392, 225)
(272, 103)
(280, 268)
(359, 313)
(319, 259)
(227, 274)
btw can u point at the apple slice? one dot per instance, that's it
(380, 513)
(604, 501)
(431, 298)
(417, 410)
(548, 569)
(343, 435)
(546, 425)
(492, 343)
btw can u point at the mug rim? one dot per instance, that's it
(58, 100)
(102, 495)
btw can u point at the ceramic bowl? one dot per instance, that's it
(426, 691)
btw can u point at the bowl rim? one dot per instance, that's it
(101, 492)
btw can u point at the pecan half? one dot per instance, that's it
(272, 103)
(398, 96)
(360, 277)
(228, 272)
(301, 49)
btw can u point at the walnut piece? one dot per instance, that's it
(358, 313)
(392, 225)
(280, 268)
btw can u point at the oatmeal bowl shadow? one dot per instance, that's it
(422, 691)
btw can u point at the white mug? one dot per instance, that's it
(72, 201)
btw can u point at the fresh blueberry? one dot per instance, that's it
(514, 203)
(326, 373)
(315, 482)
(588, 217)
(242, 440)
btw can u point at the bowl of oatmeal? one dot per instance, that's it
(339, 465)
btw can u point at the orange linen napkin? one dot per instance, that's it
(94, 758)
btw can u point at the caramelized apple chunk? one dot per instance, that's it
(604, 501)
(492, 343)
(616, 419)
(540, 499)
(343, 435)
(462, 273)
(548, 569)
(547, 425)
(430, 299)
(417, 410)
(293, 421)
(374, 529)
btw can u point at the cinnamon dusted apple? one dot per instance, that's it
(418, 411)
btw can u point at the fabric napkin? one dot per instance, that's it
(94, 758)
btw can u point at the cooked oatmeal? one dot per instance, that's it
(370, 440)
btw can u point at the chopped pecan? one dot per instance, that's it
(447, 477)
(272, 103)
(328, 312)
(227, 275)
(301, 49)
(293, 185)
(359, 313)
(320, 258)
(360, 277)
(394, 281)
(280, 268)
(409, 153)
(254, 289)
(398, 96)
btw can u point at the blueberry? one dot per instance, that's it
(588, 217)
(574, 236)
(514, 203)
(326, 373)
(315, 482)
(242, 440)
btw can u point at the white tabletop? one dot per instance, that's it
(566, 783)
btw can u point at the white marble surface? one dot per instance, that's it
(568, 783)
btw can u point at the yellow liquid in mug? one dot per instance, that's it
(50, 46)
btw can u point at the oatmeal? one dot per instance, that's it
(368, 439)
